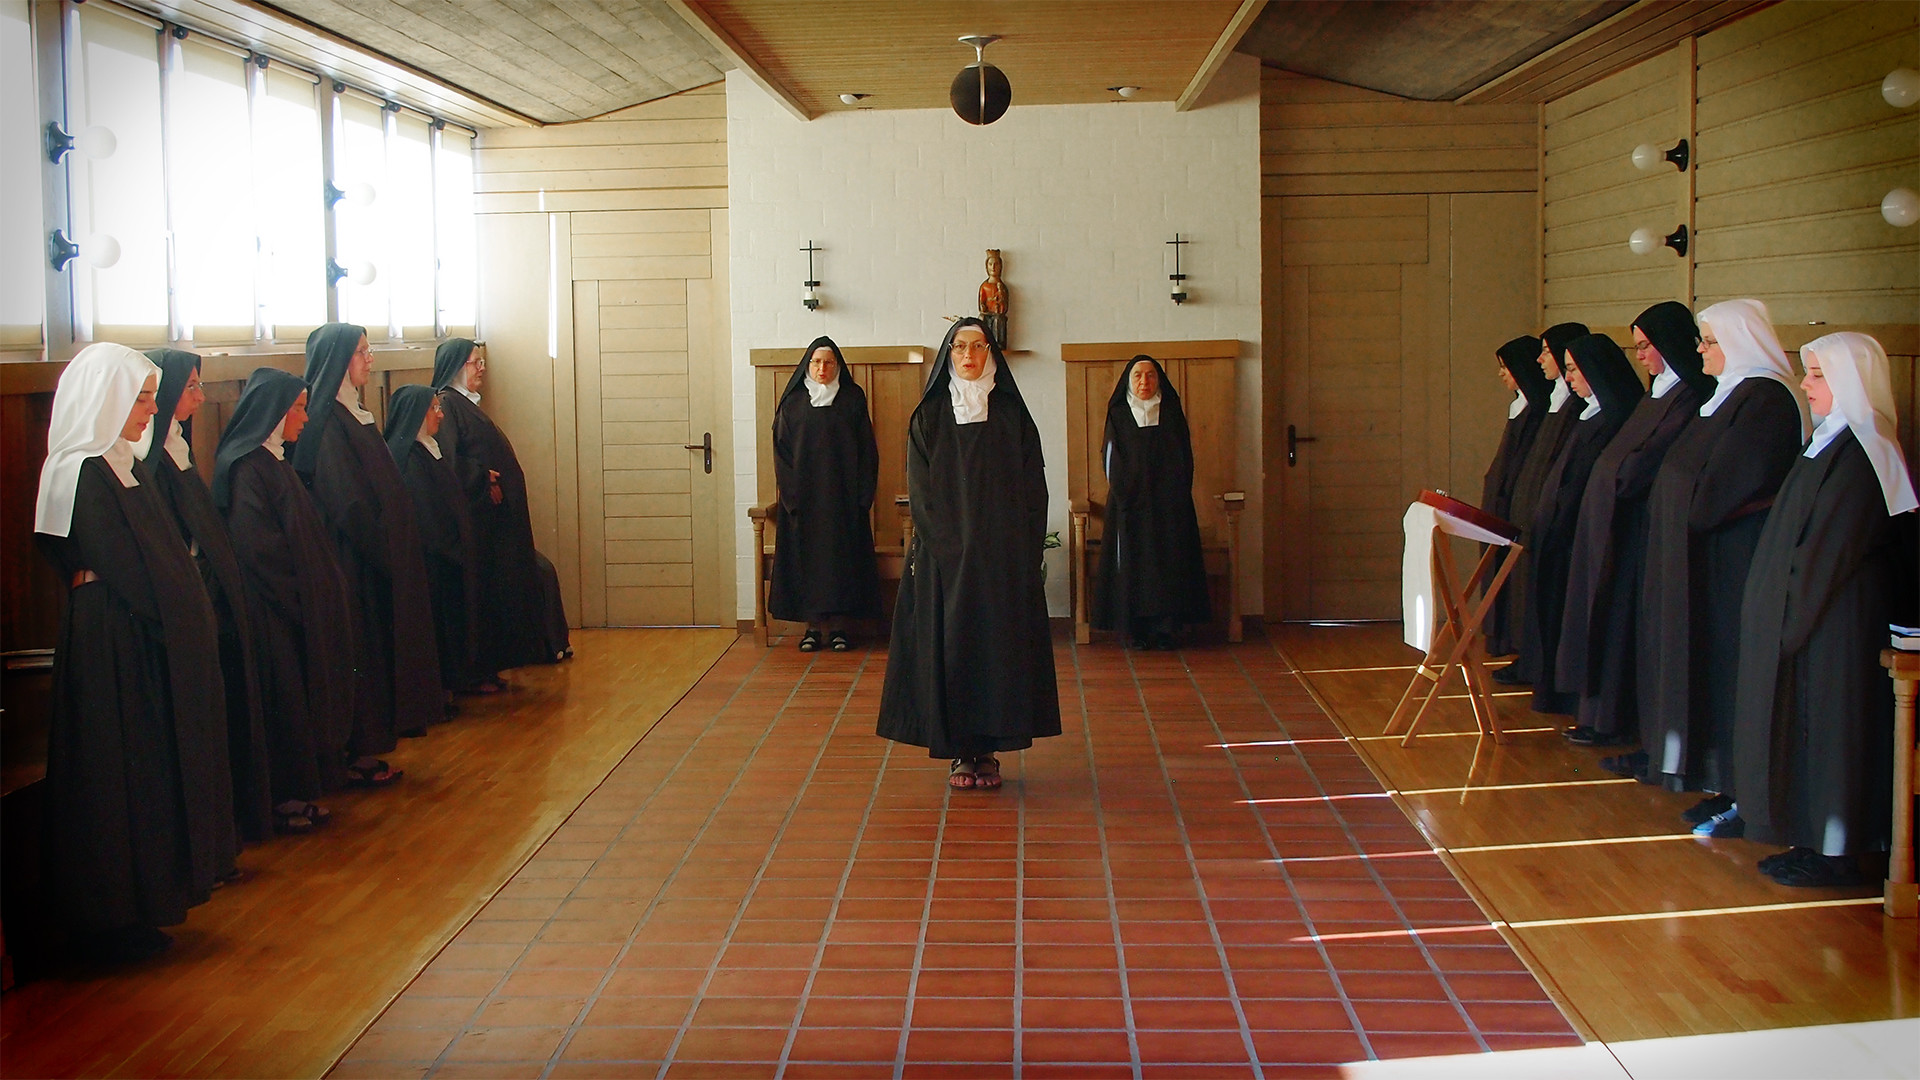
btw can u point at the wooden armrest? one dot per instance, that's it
(1235, 501)
(1078, 506)
(762, 513)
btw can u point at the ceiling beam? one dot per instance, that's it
(1631, 35)
(708, 27)
(1236, 29)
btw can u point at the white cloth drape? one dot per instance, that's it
(1745, 332)
(90, 408)
(1857, 371)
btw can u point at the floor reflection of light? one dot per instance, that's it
(1359, 855)
(1520, 787)
(1317, 798)
(1587, 920)
(1597, 841)
(1349, 670)
(1411, 931)
(1274, 742)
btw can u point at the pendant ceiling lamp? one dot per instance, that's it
(980, 93)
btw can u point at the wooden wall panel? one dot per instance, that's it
(663, 155)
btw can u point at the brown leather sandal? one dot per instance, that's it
(986, 773)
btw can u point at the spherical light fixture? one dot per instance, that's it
(1647, 157)
(980, 93)
(96, 142)
(361, 194)
(363, 273)
(1901, 87)
(1124, 91)
(103, 251)
(1647, 241)
(1901, 207)
(853, 99)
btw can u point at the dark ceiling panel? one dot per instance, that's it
(1427, 50)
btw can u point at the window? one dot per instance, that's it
(113, 76)
(409, 267)
(454, 233)
(23, 275)
(210, 188)
(286, 171)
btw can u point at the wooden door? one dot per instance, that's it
(651, 347)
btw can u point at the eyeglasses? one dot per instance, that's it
(477, 364)
(1708, 343)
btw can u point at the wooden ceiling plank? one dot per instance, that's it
(1604, 30)
(1646, 29)
(1706, 22)
(706, 26)
(1230, 36)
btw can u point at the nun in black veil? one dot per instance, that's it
(970, 668)
(1556, 426)
(440, 507)
(523, 619)
(1532, 391)
(1151, 579)
(297, 598)
(364, 502)
(827, 464)
(178, 481)
(1607, 390)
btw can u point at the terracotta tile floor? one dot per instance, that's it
(1173, 887)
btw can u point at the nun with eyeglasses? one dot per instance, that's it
(139, 799)
(1834, 565)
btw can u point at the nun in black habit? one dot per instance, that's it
(1609, 559)
(139, 814)
(1814, 709)
(1519, 364)
(446, 530)
(826, 464)
(178, 481)
(1151, 578)
(297, 598)
(365, 504)
(522, 618)
(970, 668)
(1556, 426)
(1708, 505)
(1603, 378)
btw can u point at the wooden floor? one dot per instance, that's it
(1639, 929)
(278, 974)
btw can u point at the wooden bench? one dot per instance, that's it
(1205, 376)
(893, 377)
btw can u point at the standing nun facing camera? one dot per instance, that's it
(1152, 579)
(970, 669)
(826, 464)
(1814, 709)
(139, 807)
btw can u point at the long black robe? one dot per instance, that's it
(447, 536)
(826, 464)
(1814, 708)
(1555, 429)
(970, 667)
(1521, 359)
(523, 619)
(1556, 517)
(139, 812)
(1598, 632)
(1705, 513)
(1151, 566)
(377, 544)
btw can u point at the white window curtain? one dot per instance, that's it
(454, 235)
(23, 241)
(114, 82)
(287, 175)
(410, 225)
(210, 191)
(360, 170)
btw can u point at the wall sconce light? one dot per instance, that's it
(362, 273)
(808, 296)
(361, 194)
(1646, 241)
(102, 251)
(1123, 91)
(1901, 207)
(1647, 157)
(853, 99)
(980, 93)
(96, 142)
(1179, 279)
(1901, 87)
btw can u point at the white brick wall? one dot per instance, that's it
(1080, 198)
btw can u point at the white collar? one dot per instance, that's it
(969, 397)
(1145, 413)
(349, 396)
(1831, 425)
(177, 448)
(1561, 393)
(1861, 379)
(466, 393)
(120, 458)
(1517, 406)
(1593, 407)
(432, 444)
(276, 443)
(1664, 382)
(821, 395)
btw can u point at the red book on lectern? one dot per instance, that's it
(1466, 520)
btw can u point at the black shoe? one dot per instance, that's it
(127, 945)
(810, 641)
(1710, 806)
(1632, 765)
(1138, 644)
(1583, 735)
(1163, 641)
(1780, 859)
(1816, 871)
(1507, 676)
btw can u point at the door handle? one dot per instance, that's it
(706, 446)
(1294, 439)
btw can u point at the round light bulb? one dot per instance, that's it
(1647, 157)
(362, 194)
(97, 143)
(1127, 91)
(101, 251)
(1643, 242)
(363, 273)
(1901, 87)
(1901, 207)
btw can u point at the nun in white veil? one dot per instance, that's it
(139, 798)
(1815, 710)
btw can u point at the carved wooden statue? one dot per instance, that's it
(993, 300)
